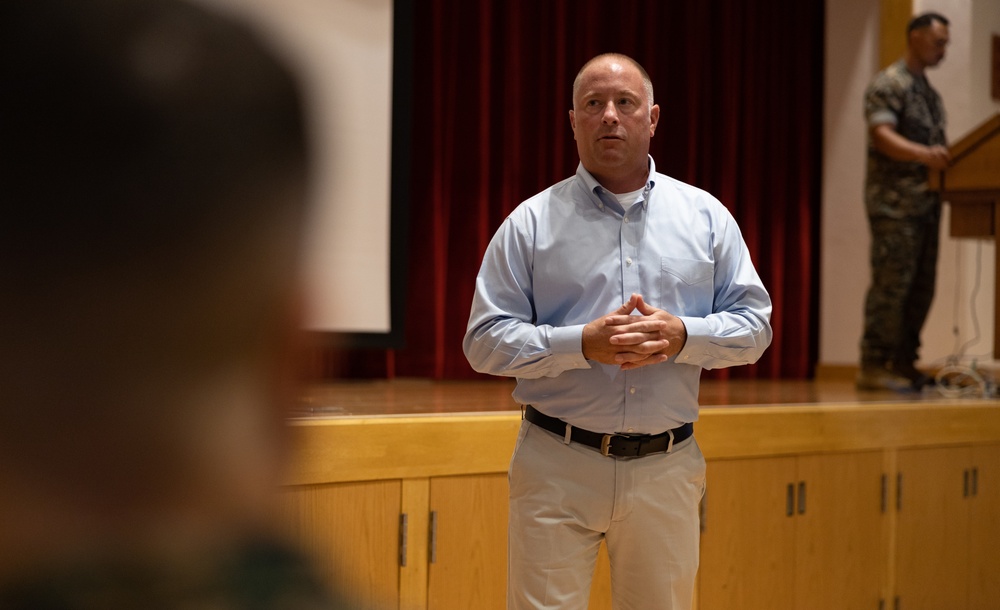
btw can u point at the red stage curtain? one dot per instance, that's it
(739, 85)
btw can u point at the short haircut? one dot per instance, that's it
(925, 19)
(646, 81)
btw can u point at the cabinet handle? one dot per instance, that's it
(402, 540)
(885, 493)
(965, 483)
(899, 491)
(802, 497)
(790, 500)
(432, 537)
(975, 481)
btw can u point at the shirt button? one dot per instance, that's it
(626, 220)
(631, 390)
(628, 261)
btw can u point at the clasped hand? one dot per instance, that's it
(935, 157)
(634, 341)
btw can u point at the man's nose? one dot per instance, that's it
(610, 114)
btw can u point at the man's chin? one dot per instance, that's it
(611, 154)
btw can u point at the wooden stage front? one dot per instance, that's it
(401, 487)
(373, 430)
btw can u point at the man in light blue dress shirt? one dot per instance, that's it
(605, 295)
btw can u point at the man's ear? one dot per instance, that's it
(654, 118)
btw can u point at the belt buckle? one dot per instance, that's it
(639, 441)
(606, 443)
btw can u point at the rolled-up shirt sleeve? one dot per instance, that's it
(883, 103)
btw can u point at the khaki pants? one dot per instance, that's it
(564, 499)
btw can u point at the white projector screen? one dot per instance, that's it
(343, 50)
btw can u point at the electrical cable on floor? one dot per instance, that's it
(956, 380)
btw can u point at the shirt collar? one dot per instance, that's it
(599, 193)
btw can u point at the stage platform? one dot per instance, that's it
(404, 483)
(421, 396)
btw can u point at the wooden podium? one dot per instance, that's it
(971, 185)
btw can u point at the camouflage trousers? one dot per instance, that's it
(904, 254)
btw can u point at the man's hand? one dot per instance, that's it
(634, 341)
(890, 143)
(934, 157)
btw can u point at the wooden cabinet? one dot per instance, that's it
(438, 543)
(352, 530)
(468, 545)
(841, 532)
(748, 537)
(946, 533)
(793, 514)
(600, 587)
(794, 532)
(984, 530)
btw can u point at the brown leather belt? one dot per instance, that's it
(621, 445)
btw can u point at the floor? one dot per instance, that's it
(421, 396)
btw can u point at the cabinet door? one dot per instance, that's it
(600, 588)
(748, 537)
(932, 529)
(984, 529)
(352, 529)
(841, 548)
(469, 553)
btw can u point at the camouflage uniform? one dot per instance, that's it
(258, 575)
(904, 217)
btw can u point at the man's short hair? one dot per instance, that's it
(924, 20)
(647, 82)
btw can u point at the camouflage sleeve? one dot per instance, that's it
(883, 102)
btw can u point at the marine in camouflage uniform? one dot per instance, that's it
(904, 217)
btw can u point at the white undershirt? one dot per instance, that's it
(627, 199)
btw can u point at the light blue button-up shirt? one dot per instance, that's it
(572, 254)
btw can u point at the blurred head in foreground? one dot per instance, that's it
(153, 166)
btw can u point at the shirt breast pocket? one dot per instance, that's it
(686, 286)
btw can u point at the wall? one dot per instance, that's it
(963, 81)
(343, 51)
